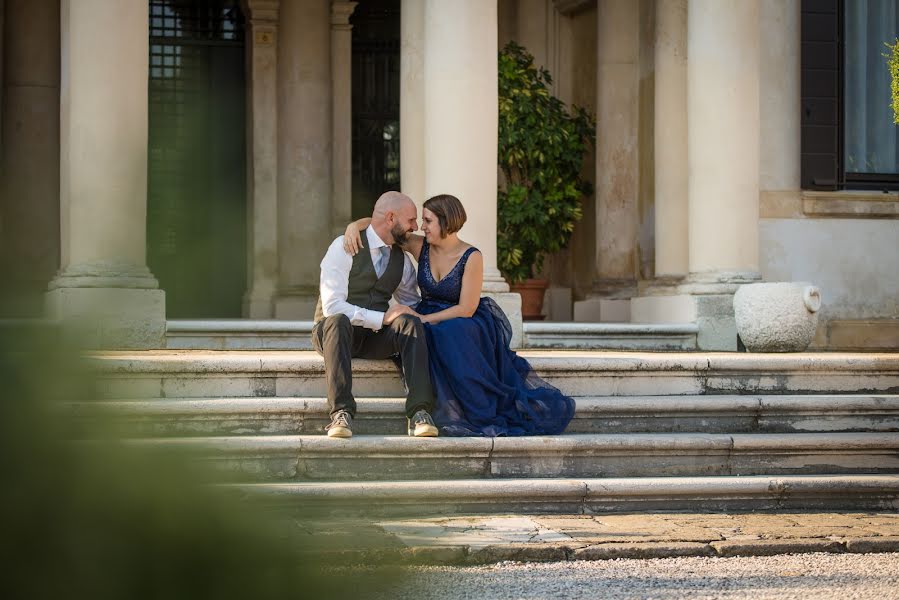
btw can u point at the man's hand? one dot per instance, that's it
(352, 239)
(395, 311)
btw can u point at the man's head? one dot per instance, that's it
(394, 217)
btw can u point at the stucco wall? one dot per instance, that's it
(855, 262)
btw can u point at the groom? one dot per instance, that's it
(353, 319)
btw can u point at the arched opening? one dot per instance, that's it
(196, 201)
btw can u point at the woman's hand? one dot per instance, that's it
(352, 237)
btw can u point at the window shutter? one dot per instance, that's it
(822, 91)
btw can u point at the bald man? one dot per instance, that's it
(353, 318)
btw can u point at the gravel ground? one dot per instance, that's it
(805, 576)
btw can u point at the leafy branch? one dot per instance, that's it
(541, 151)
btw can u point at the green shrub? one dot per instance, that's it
(893, 62)
(541, 150)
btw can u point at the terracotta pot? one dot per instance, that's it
(532, 292)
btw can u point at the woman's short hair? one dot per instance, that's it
(449, 212)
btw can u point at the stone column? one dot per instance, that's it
(262, 158)
(412, 100)
(723, 158)
(461, 123)
(617, 154)
(779, 107)
(342, 120)
(671, 239)
(104, 288)
(304, 153)
(29, 242)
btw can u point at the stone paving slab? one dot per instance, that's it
(497, 538)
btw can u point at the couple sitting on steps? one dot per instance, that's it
(460, 375)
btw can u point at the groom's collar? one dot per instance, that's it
(374, 241)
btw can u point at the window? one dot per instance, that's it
(849, 140)
(870, 137)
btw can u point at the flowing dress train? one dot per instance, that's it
(482, 387)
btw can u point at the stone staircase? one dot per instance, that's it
(247, 334)
(674, 431)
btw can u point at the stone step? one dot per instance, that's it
(643, 414)
(613, 336)
(238, 334)
(249, 334)
(199, 374)
(377, 457)
(576, 496)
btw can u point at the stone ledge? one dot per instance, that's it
(202, 361)
(474, 539)
(879, 335)
(636, 414)
(847, 204)
(379, 457)
(596, 496)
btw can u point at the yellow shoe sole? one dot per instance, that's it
(340, 432)
(425, 431)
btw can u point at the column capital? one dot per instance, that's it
(340, 14)
(572, 7)
(262, 12)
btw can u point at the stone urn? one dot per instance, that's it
(777, 317)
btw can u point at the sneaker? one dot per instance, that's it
(422, 425)
(341, 425)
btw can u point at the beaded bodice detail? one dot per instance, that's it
(447, 289)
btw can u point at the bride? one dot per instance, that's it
(482, 387)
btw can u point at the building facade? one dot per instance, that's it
(171, 158)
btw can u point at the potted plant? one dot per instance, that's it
(541, 150)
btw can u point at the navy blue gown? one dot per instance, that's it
(482, 387)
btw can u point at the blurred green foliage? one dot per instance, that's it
(541, 151)
(106, 519)
(893, 63)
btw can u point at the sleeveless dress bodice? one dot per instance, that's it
(482, 387)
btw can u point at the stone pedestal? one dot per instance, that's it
(104, 292)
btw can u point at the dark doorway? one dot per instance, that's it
(376, 102)
(196, 205)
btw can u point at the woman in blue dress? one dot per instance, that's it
(482, 387)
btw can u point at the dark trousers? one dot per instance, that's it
(338, 341)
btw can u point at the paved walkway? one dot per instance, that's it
(489, 539)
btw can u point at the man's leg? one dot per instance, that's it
(405, 336)
(332, 337)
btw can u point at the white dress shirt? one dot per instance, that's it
(335, 277)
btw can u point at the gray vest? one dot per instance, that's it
(364, 288)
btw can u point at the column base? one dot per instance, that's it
(295, 306)
(706, 299)
(511, 305)
(258, 305)
(616, 289)
(603, 310)
(109, 318)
